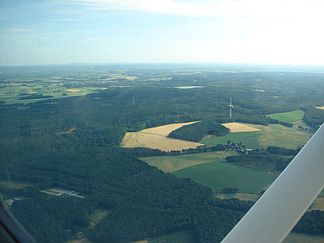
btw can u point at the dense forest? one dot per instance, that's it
(312, 223)
(73, 143)
(314, 117)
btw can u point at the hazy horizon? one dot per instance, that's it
(162, 31)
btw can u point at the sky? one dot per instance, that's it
(288, 32)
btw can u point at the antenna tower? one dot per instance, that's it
(230, 108)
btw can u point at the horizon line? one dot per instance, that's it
(165, 63)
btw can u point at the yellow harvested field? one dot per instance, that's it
(73, 90)
(240, 127)
(156, 138)
(320, 107)
(165, 130)
(153, 141)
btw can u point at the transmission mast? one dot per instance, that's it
(134, 101)
(230, 108)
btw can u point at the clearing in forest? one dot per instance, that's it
(320, 107)
(73, 90)
(239, 195)
(219, 174)
(240, 127)
(211, 169)
(96, 217)
(290, 117)
(13, 185)
(156, 138)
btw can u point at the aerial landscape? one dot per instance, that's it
(165, 121)
(142, 160)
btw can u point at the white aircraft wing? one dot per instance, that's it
(274, 215)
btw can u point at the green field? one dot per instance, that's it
(290, 117)
(218, 175)
(174, 163)
(271, 135)
(249, 139)
(15, 94)
(210, 169)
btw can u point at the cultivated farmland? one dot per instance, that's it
(210, 169)
(240, 127)
(219, 174)
(156, 138)
(290, 117)
(165, 130)
(173, 163)
(271, 135)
